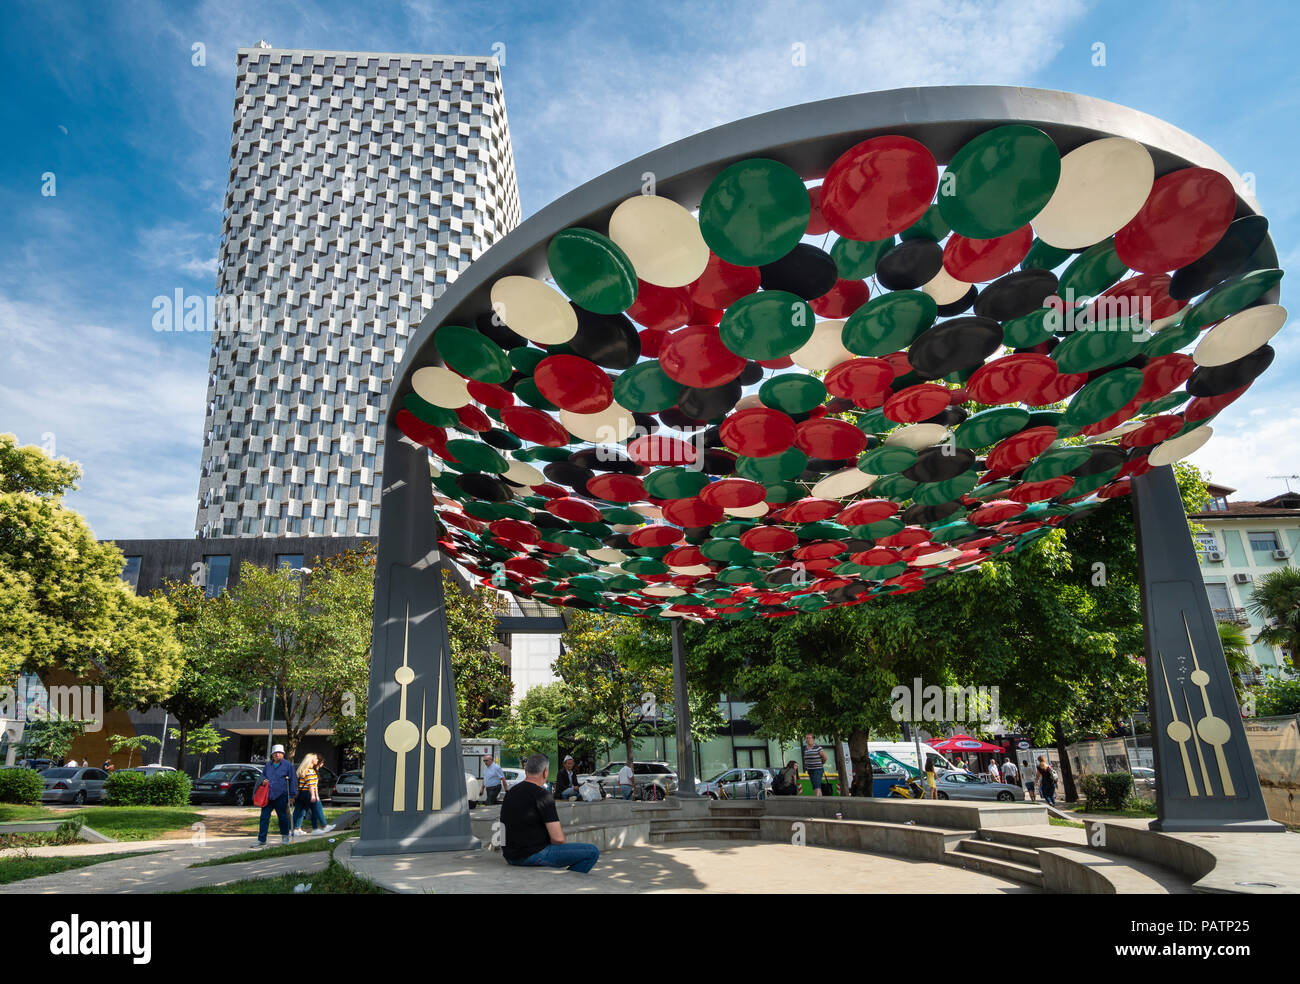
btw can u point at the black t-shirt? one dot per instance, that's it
(526, 811)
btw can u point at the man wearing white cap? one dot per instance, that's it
(283, 786)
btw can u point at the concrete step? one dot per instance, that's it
(704, 823)
(717, 832)
(1007, 852)
(738, 809)
(997, 867)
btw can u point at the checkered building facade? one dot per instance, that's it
(360, 184)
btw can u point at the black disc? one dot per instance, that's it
(840, 405)
(1104, 458)
(1217, 380)
(919, 515)
(618, 541)
(606, 459)
(647, 423)
(954, 346)
(498, 438)
(823, 465)
(567, 473)
(751, 374)
(1226, 259)
(962, 303)
(848, 592)
(484, 487)
(910, 264)
(718, 462)
(674, 417)
(948, 417)
(697, 534)
(708, 403)
(609, 340)
(494, 328)
(545, 521)
(1016, 295)
(805, 271)
(940, 463)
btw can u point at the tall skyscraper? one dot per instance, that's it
(360, 184)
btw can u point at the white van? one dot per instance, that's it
(905, 752)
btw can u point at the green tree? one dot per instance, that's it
(51, 738)
(483, 687)
(543, 706)
(131, 744)
(1276, 599)
(63, 604)
(1278, 697)
(205, 740)
(1236, 650)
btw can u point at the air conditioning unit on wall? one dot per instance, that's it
(1214, 556)
(1242, 578)
(1281, 554)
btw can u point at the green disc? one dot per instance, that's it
(1170, 339)
(503, 440)
(598, 530)
(738, 575)
(783, 467)
(809, 602)
(486, 511)
(999, 181)
(574, 539)
(1090, 483)
(622, 517)
(1164, 404)
(1103, 396)
(886, 460)
(1032, 329)
(856, 260)
(889, 323)
(732, 528)
(726, 550)
(821, 531)
(792, 392)
(546, 454)
(936, 493)
(1042, 256)
(525, 359)
(646, 388)
(653, 552)
(893, 487)
(426, 411)
(990, 426)
(1103, 345)
(767, 325)
(475, 456)
(1095, 269)
(514, 510)
(779, 493)
(472, 354)
(595, 273)
(878, 529)
(572, 565)
(675, 483)
(624, 582)
(754, 212)
(992, 489)
(1231, 296)
(929, 226)
(446, 484)
(1048, 418)
(1056, 462)
(952, 531)
(882, 572)
(644, 565)
(527, 391)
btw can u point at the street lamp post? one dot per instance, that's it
(682, 718)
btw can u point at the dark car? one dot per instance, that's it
(232, 784)
(40, 765)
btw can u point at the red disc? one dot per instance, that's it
(1164, 374)
(474, 418)
(905, 537)
(1135, 466)
(1040, 491)
(574, 510)
(1207, 406)
(651, 342)
(864, 381)
(489, 394)
(695, 356)
(1145, 296)
(1153, 431)
(817, 224)
(1115, 489)
(459, 519)
(1120, 416)
(1020, 449)
(898, 360)
(1057, 388)
(573, 383)
(842, 299)
(660, 308)
(549, 491)
(866, 511)
(830, 438)
(688, 556)
(876, 557)
(811, 510)
(431, 437)
(879, 187)
(535, 426)
(692, 512)
(616, 488)
(1186, 213)
(1011, 379)
(757, 432)
(820, 550)
(721, 283)
(515, 529)
(768, 539)
(526, 566)
(733, 493)
(976, 261)
(997, 511)
(916, 403)
(655, 536)
(656, 449)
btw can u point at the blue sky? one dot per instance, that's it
(106, 98)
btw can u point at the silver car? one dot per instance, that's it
(347, 791)
(965, 786)
(738, 784)
(654, 780)
(69, 785)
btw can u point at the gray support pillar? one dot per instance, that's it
(414, 795)
(1205, 777)
(682, 717)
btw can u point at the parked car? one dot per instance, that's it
(326, 778)
(513, 776)
(738, 784)
(347, 790)
(1143, 776)
(233, 785)
(150, 770)
(39, 764)
(965, 786)
(657, 776)
(68, 785)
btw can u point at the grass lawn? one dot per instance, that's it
(124, 823)
(303, 845)
(250, 822)
(1125, 812)
(1057, 822)
(334, 880)
(17, 868)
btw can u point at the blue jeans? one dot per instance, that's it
(1048, 793)
(627, 791)
(575, 857)
(571, 793)
(281, 807)
(815, 777)
(317, 815)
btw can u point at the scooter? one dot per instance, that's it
(907, 789)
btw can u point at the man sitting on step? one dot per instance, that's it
(534, 837)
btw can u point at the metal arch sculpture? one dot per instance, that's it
(713, 417)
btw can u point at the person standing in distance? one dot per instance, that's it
(494, 780)
(814, 763)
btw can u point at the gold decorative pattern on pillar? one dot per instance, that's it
(438, 737)
(1178, 730)
(1214, 731)
(402, 735)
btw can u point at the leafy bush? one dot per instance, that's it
(140, 789)
(1109, 791)
(21, 786)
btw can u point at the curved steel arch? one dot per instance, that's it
(409, 628)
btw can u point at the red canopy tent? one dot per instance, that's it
(965, 743)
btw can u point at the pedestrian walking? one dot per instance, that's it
(1029, 780)
(282, 783)
(494, 780)
(814, 763)
(931, 780)
(308, 798)
(1046, 781)
(626, 781)
(995, 774)
(1009, 774)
